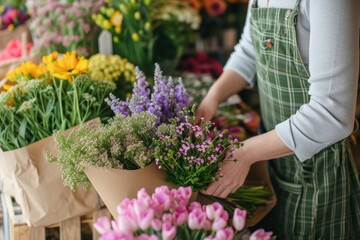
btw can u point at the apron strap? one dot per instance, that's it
(254, 5)
(297, 4)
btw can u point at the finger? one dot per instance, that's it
(225, 192)
(211, 189)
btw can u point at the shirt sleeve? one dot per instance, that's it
(242, 59)
(333, 68)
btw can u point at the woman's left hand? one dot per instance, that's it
(234, 173)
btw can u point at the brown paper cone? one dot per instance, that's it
(114, 185)
(38, 188)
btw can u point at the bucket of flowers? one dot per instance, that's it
(168, 214)
(117, 158)
(55, 95)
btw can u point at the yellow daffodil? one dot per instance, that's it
(116, 19)
(137, 15)
(68, 66)
(49, 59)
(135, 37)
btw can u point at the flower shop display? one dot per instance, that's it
(65, 26)
(56, 95)
(146, 31)
(219, 15)
(197, 86)
(13, 14)
(14, 50)
(115, 69)
(201, 63)
(168, 214)
(121, 151)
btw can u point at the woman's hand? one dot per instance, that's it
(207, 108)
(234, 173)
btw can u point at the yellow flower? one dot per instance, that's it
(11, 27)
(116, 39)
(49, 59)
(2, 8)
(26, 71)
(68, 66)
(118, 30)
(147, 26)
(116, 19)
(137, 15)
(123, 8)
(7, 87)
(135, 37)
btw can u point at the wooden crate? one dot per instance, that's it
(70, 229)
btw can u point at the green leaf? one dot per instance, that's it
(22, 128)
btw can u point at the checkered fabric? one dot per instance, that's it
(320, 197)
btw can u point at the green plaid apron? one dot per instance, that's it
(318, 198)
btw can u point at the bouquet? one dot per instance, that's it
(57, 94)
(191, 154)
(167, 214)
(146, 31)
(114, 69)
(122, 143)
(166, 100)
(78, 32)
(13, 14)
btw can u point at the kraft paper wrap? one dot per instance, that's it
(114, 185)
(38, 188)
(258, 175)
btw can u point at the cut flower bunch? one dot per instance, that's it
(168, 214)
(148, 31)
(57, 94)
(12, 14)
(190, 154)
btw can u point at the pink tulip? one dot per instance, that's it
(145, 218)
(156, 224)
(125, 223)
(162, 199)
(185, 192)
(112, 235)
(239, 219)
(194, 205)
(167, 218)
(214, 210)
(168, 231)
(180, 215)
(146, 237)
(102, 225)
(225, 234)
(196, 219)
(260, 234)
(218, 224)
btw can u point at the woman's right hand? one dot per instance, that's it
(207, 108)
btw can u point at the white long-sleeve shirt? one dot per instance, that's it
(328, 38)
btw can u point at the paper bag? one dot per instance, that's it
(114, 185)
(38, 188)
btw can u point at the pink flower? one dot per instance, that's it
(180, 215)
(102, 225)
(167, 218)
(196, 219)
(260, 234)
(125, 223)
(146, 237)
(185, 192)
(225, 234)
(168, 231)
(162, 199)
(214, 210)
(194, 205)
(239, 219)
(112, 235)
(218, 224)
(156, 224)
(145, 218)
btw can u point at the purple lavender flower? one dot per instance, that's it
(117, 106)
(166, 101)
